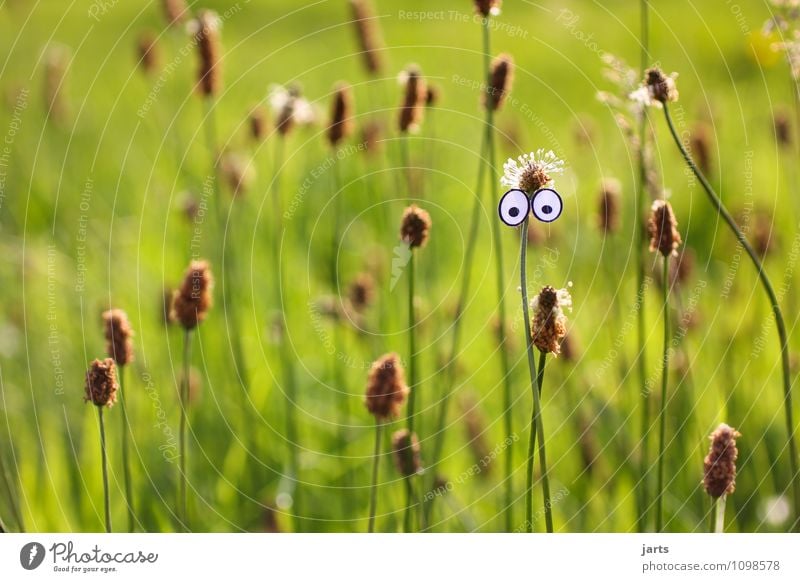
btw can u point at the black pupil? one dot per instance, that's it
(547, 209)
(514, 212)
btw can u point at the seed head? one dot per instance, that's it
(101, 383)
(531, 171)
(415, 226)
(206, 33)
(119, 344)
(662, 227)
(258, 123)
(370, 136)
(414, 96)
(368, 35)
(238, 172)
(362, 292)
(405, 450)
(608, 210)
(549, 324)
(386, 387)
(488, 8)
(700, 146)
(175, 11)
(719, 466)
(148, 52)
(432, 96)
(341, 125)
(783, 128)
(190, 303)
(656, 89)
(475, 427)
(290, 108)
(501, 78)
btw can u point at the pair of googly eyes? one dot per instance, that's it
(545, 204)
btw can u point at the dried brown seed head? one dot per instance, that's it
(237, 172)
(190, 303)
(415, 226)
(101, 383)
(386, 387)
(719, 466)
(549, 324)
(700, 146)
(258, 123)
(414, 96)
(501, 78)
(608, 209)
(206, 32)
(783, 128)
(660, 86)
(341, 125)
(663, 229)
(488, 7)
(362, 292)
(371, 136)
(432, 96)
(368, 35)
(175, 11)
(406, 452)
(147, 50)
(118, 332)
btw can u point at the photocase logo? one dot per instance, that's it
(31, 555)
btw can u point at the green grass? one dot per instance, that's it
(137, 242)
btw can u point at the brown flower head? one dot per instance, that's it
(206, 33)
(663, 229)
(258, 123)
(341, 125)
(386, 387)
(488, 7)
(414, 96)
(362, 292)
(764, 233)
(237, 172)
(368, 35)
(405, 450)
(432, 96)
(719, 466)
(783, 128)
(175, 11)
(660, 86)
(549, 324)
(608, 209)
(191, 302)
(119, 343)
(371, 136)
(415, 226)
(147, 50)
(475, 427)
(700, 146)
(101, 383)
(501, 78)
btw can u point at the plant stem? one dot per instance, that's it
(776, 310)
(412, 384)
(373, 495)
(662, 416)
(126, 467)
(104, 461)
(450, 366)
(641, 209)
(184, 403)
(12, 497)
(505, 365)
(536, 420)
(719, 513)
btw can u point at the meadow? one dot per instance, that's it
(123, 160)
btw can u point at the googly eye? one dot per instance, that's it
(514, 207)
(546, 205)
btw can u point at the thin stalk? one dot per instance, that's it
(184, 403)
(662, 416)
(412, 346)
(712, 518)
(505, 364)
(373, 494)
(12, 497)
(126, 466)
(776, 310)
(337, 375)
(405, 158)
(536, 420)
(641, 209)
(450, 366)
(104, 461)
(719, 510)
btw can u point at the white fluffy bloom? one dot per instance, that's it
(563, 301)
(280, 99)
(531, 171)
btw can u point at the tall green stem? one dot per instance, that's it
(505, 364)
(373, 492)
(641, 209)
(126, 466)
(412, 383)
(662, 416)
(184, 404)
(536, 419)
(104, 461)
(12, 497)
(719, 513)
(776, 310)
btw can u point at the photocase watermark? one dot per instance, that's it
(100, 8)
(81, 238)
(476, 469)
(169, 448)
(747, 210)
(559, 496)
(14, 126)
(199, 218)
(496, 25)
(53, 338)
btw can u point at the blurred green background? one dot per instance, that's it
(91, 216)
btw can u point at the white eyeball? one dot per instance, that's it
(514, 207)
(546, 205)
